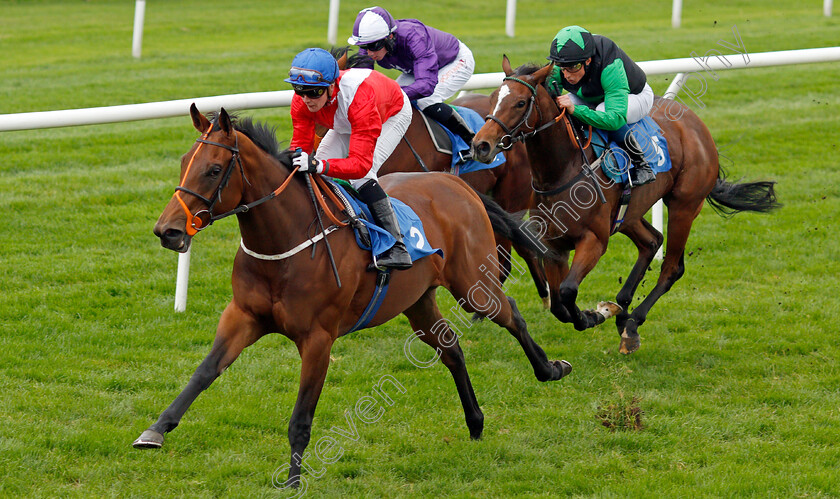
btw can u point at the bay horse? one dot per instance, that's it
(567, 208)
(277, 288)
(509, 184)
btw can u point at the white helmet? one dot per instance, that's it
(372, 24)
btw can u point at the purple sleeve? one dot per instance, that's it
(426, 68)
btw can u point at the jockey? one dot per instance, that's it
(435, 65)
(367, 114)
(606, 90)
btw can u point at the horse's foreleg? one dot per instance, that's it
(314, 351)
(236, 330)
(588, 251)
(429, 326)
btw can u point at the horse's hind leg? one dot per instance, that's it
(647, 240)
(236, 330)
(429, 325)
(484, 295)
(537, 273)
(680, 218)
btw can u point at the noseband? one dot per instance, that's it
(508, 140)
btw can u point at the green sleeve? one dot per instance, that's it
(616, 90)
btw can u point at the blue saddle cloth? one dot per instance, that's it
(458, 145)
(616, 163)
(414, 237)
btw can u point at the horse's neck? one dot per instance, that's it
(278, 224)
(554, 156)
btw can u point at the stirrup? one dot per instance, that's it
(395, 258)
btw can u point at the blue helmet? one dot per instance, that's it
(313, 68)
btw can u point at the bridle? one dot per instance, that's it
(196, 222)
(509, 139)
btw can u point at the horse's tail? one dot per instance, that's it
(730, 198)
(513, 228)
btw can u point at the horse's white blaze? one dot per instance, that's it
(504, 91)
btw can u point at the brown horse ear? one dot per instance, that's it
(540, 75)
(224, 121)
(342, 61)
(200, 123)
(506, 65)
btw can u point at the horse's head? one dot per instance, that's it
(206, 170)
(512, 108)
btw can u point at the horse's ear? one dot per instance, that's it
(342, 61)
(506, 65)
(540, 75)
(224, 121)
(200, 123)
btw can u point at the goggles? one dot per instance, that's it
(311, 92)
(574, 68)
(305, 76)
(374, 46)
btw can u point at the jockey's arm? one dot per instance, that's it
(616, 91)
(425, 68)
(303, 127)
(366, 126)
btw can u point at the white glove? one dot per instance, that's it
(308, 164)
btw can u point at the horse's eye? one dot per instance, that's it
(214, 171)
(521, 103)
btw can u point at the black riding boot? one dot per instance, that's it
(448, 117)
(397, 256)
(641, 173)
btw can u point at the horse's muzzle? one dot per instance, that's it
(174, 239)
(483, 151)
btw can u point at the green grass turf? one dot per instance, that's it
(736, 378)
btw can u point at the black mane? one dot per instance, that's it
(356, 60)
(261, 134)
(527, 69)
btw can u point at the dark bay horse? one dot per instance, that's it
(567, 205)
(509, 184)
(235, 168)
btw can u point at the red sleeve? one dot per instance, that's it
(303, 123)
(365, 126)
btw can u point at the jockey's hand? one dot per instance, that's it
(565, 102)
(308, 164)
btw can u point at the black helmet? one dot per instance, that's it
(571, 45)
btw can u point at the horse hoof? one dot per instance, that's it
(629, 342)
(149, 439)
(608, 309)
(564, 366)
(546, 303)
